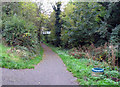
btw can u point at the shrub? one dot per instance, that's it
(112, 74)
(106, 53)
(17, 31)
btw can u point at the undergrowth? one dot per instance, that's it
(82, 69)
(18, 58)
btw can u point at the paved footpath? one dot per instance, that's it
(50, 71)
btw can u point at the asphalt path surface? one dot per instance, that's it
(50, 71)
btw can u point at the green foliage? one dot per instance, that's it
(67, 24)
(115, 39)
(112, 74)
(81, 69)
(19, 58)
(57, 23)
(11, 8)
(106, 53)
(86, 22)
(20, 23)
(51, 26)
(29, 10)
(24, 18)
(18, 30)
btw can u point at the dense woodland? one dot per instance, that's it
(85, 29)
(92, 27)
(86, 23)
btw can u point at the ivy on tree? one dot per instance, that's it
(57, 23)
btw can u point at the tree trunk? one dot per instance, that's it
(39, 31)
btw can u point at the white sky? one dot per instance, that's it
(47, 4)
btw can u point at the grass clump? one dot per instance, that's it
(19, 58)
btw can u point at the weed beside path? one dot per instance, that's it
(12, 59)
(82, 69)
(50, 71)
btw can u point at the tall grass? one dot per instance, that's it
(13, 58)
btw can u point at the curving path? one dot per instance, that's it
(50, 71)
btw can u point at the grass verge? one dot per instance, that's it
(12, 59)
(82, 69)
